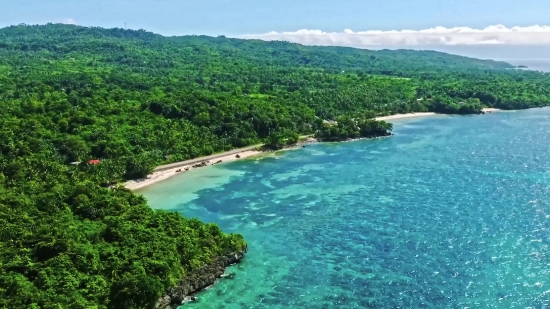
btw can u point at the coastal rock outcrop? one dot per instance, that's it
(202, 164)
(198, 280)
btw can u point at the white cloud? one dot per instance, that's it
(492, 35)
(68, 21)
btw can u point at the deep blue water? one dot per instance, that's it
(451, 212)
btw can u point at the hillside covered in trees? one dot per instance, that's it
(134, 100)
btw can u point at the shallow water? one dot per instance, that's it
(451, 212)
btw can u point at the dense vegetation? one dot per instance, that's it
(352, 128)
(134, 100)
(80, 246)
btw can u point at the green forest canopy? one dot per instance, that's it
(134, 100)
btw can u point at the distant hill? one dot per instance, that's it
(62, 38)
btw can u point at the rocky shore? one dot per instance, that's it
(313, 140)
(198, 280)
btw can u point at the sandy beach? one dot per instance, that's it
(169, 170)
(166, 171)
(401, 116)
(410, 115)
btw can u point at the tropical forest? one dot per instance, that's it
(72, 236)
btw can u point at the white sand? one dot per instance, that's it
(166, 171)
(401, 116)
(410, 115)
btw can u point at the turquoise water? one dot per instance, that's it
(451, 212)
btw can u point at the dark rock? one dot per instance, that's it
(197, 280)
(199, 165)
(237, 156)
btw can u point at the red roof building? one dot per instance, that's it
(93, 162)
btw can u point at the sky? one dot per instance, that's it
(462, 26)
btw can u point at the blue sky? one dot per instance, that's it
(213, 17)
(477, 28)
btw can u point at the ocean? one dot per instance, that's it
(535, 64)
(450, 212)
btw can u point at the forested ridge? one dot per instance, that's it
(134, 100)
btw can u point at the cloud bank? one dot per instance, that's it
(438, 36)
(68, 21)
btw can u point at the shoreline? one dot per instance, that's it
(490, 110)
(166, 171)
(170, 170)
(403, 116)
(198, 280)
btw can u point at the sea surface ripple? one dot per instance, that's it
(451, 212)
